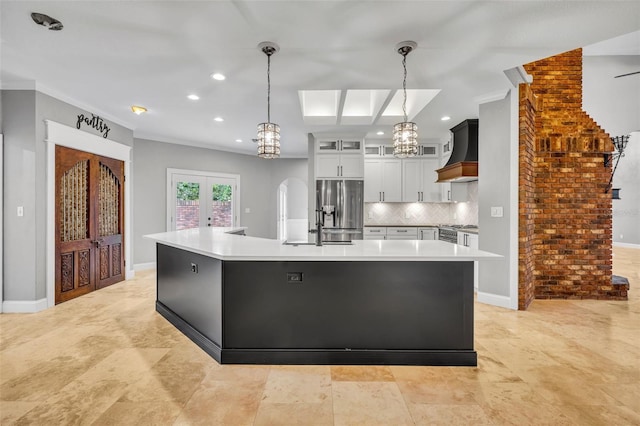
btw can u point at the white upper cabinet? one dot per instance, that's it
(429, 150)
(339, 166)
(445, 187)
(339, 158)
(351, 166)
(382, 180)
(378, 151)
(351, 146)
(430, 189)
(419, 180)
(412, 180)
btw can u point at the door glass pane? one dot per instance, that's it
(221, 205)
(187, 205)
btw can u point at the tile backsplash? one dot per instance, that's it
(462, 213)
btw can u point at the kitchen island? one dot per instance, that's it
(254, 300)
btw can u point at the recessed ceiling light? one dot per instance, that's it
(445, 118)
(218, 76)
(219, 119)
(138, 109)
(193, 97)
(380, 133)
(238, 140)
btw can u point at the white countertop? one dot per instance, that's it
(217, 243)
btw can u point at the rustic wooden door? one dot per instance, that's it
(110, 221)
(89, 222)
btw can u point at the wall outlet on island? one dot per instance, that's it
(407, 215)
(370, 216)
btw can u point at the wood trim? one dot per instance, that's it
(458, 171)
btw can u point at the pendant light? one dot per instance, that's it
(268, 133)
(405, 134)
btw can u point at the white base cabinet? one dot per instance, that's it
(375, 233)
(402, 233)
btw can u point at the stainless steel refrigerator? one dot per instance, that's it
(341, 205)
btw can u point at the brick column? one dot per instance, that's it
(564, 206)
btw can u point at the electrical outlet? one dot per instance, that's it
(621, 237)
(20, 211)
(407, 215)
(497, 211)
(247, 210)
(370, 215)
(194, 267)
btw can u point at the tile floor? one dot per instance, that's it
(108, 358)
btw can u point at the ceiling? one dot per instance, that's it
(114, 54)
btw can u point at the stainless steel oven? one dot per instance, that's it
(448, 234)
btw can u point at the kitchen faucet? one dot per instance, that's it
(319, 222)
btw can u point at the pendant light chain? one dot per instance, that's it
(405, 134)
(268, 133)
(269, 87)
(404, 86)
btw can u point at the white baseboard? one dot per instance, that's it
(144, 266)
(24, 306)
(129, 274)
(627, 245)
(496, 300)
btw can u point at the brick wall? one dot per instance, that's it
(565, 210)
(188, 214)
(526, 225)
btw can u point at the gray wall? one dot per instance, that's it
(24, 112)
(615, 104)
(259, 180)
(21, 265)
(494, 182)
(626, 210)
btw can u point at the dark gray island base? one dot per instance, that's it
(320, 312)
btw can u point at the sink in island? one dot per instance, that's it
(247, 300)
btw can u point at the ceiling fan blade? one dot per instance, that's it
(630, 73)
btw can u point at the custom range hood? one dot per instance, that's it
(463, 163)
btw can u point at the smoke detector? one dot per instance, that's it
(47, 21)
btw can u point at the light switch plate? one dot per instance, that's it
(247, 210)
(407, 215)
(497, 212)
(20, 211)
(370, 215)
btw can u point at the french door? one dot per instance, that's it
(89, 210)
(198, 200)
